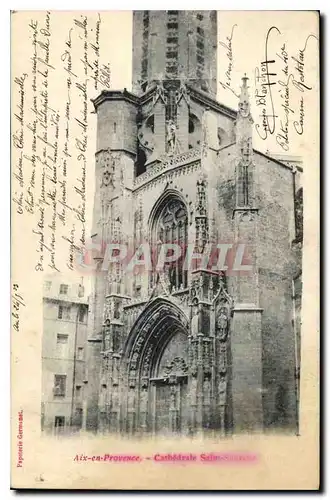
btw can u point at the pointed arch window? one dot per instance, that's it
(171, 226)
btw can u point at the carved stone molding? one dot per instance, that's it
(168, 163)
(176, 367)
(245, 214)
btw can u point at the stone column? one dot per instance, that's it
(93, 388)
(159, 127)
(182, 125)
(143, 406)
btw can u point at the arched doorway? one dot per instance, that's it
(157, 370)
(169, 396)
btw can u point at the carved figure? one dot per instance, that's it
(171, 135)
(222, 324)
(222, 390)
(194, 323)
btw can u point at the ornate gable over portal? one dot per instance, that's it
(172, 375)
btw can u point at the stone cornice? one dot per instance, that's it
(196, 94)
(208, 101)
(122, 150)
(115, 95)
(167, 164)
(247, 308)
(279, 162)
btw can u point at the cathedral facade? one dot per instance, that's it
(190, 349)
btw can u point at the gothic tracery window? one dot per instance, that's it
(172, 227)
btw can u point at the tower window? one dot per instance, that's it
(200, 53)
(140, 162)
(171, 68)
(171, 55)
(172, 43)
(191, 127)
(172, 39)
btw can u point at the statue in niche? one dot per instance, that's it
(222, 324)
(193, 391)
(107, 335)
(195, 322)
(207, 392)
(171, 135)
(107, 179)
(121, 177)
(115, 398)
(103, 398)
(144, 401)
(222, 390)
(222, 394)
(173, 399)
(244, 108)
(116, 313)
(172, 277)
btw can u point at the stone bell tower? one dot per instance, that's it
(172, 50)
(174, 45)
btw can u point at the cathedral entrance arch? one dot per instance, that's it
(157, 370)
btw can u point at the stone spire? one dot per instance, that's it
(244, 123)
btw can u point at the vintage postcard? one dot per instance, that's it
(165, 191)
